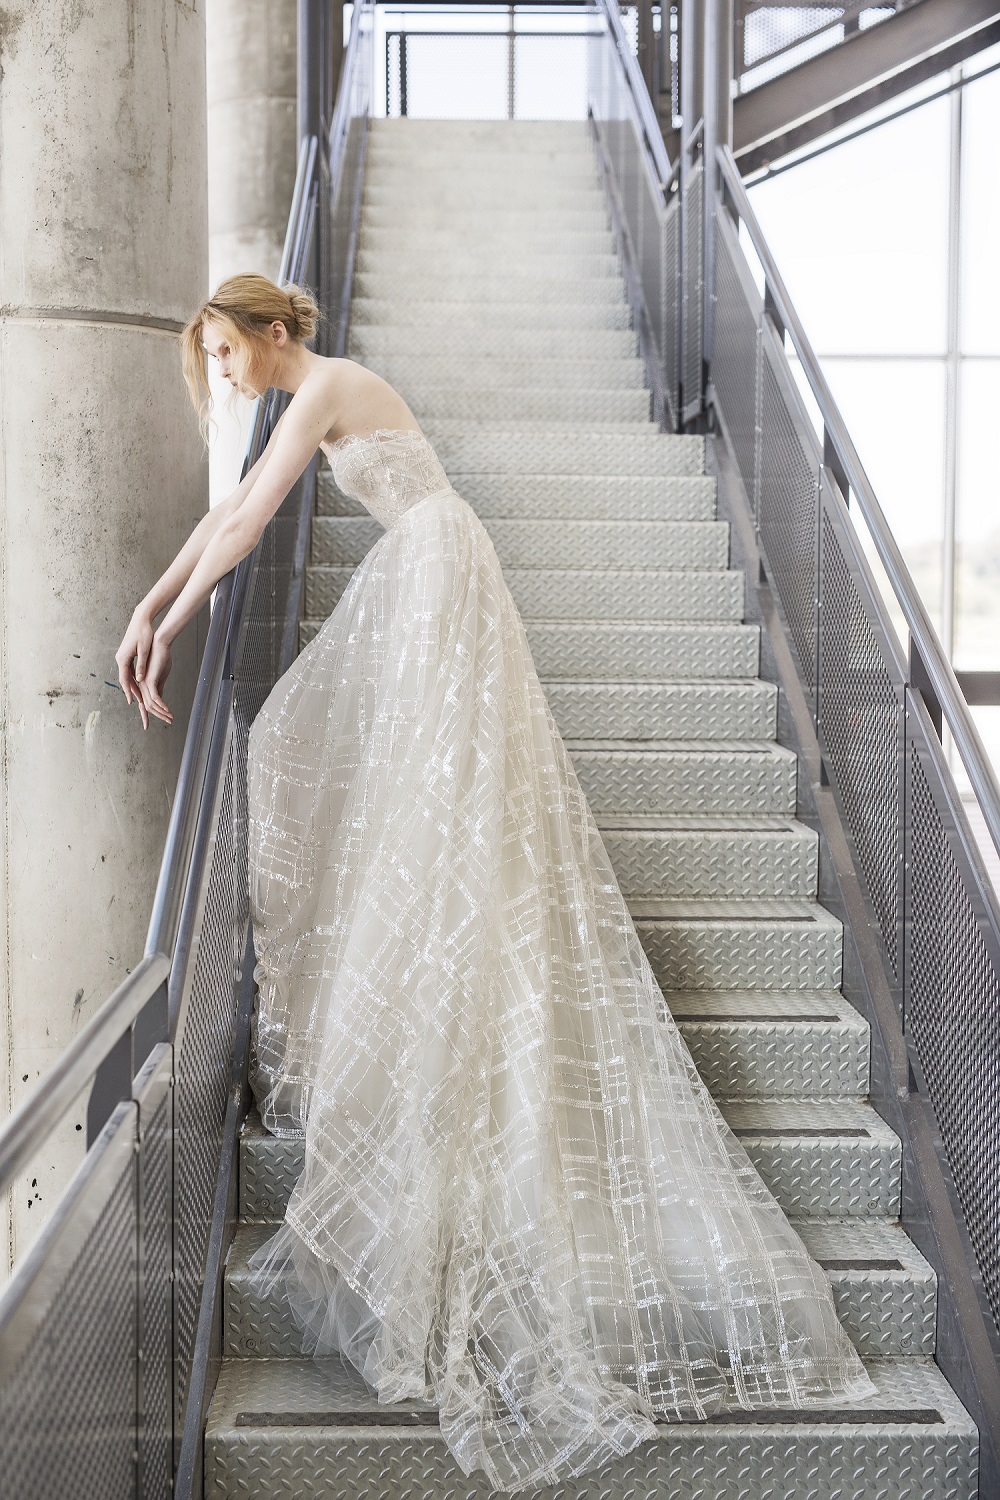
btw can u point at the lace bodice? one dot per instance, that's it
(388, 470)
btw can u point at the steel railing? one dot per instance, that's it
(108, 1327)
(928, 915)
(641, 187)
(920, 912)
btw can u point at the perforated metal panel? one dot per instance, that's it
(861, 728)
(787, 502)
(670, 311)
(202, 1073)
(693, 309)
(154, 1096)
(771, 38)
(735, 373)
(953, 990)
(68, 1338)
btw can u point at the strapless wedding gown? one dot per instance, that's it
(519, 1200)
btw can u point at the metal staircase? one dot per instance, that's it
(594, 334)
(522, 366)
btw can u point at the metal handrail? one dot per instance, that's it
(932, 655)
(653, 136)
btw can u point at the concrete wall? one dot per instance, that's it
(103, 255)
(251, 171)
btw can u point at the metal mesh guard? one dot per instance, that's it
(861, 719)
(952, 1002)
(67, 1403)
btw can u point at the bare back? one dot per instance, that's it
(364, 402)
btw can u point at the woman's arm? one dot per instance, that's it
(133, 653)
(304, 424)
(176, 576)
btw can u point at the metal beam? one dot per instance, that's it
(770, 160)
(884, 59)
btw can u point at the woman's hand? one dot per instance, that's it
(132, 656)
(153, 679)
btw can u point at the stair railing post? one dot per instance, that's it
(309, 72)
(717, 93)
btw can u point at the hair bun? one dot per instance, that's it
(304, 310)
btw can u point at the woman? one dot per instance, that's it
(518, 1199)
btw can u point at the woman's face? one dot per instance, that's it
(217, 346)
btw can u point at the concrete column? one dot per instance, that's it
(103, 256)
(251, 171)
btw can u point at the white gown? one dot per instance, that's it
(519, 1200)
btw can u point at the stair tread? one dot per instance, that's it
(751, 1007)
(771, 748)
(283, 1388)
(790, 1116)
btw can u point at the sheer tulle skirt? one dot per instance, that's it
(518, 1199)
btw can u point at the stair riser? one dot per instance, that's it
(457, 404)
(472, 262)
(803, 1461)
(433, 287)
(345, 540)
(566, 594)
(693, 863)
(668, 710)
(501, 316)
(507, 374)
(543, 239)
(538, 210)
(659, 782)
(497, 170)
(765, 955)
(549, 497)
(808, 1177)
(365, 344)
(592, 653)
(527, 451)
(649, 653)
(885, 1317)
(541, 221)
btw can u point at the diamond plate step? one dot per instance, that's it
(554, 449)
(711, 857)
(545, 192)
(483, 261)
(583, 593)
(394, 165)
(770, 1042)
(510, 315)
(471, 135)
(365, 343)
(288, 1429)
(611, 651)
(664, 710)
(507, 374)
(573, 224)
(545, 497)
(342, 540)
(824, 1157)
(433, 287)
(821, 1157)
(748, 945)
(883, 1289)
(533, 402)
(685, 777)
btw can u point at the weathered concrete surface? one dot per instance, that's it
(103, 253)
(251, 171)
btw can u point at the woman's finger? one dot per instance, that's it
(160, 711)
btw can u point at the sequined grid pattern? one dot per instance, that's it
(518, 1199)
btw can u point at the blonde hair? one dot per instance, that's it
(242, 308)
